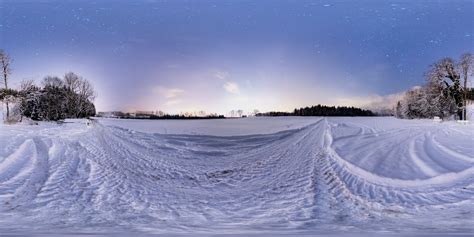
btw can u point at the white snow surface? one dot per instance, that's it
(247, 176)
(470, 112)
(215, 127)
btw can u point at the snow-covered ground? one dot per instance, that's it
(215, 127)
(470, 112)
(255, 175)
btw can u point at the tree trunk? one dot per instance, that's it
(5, 79)
(8, 111)
(465, 97)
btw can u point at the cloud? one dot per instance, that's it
(222, 75)
(172, 102)
(232, 87)
(169, 96)
(229, 86)
(169, 93)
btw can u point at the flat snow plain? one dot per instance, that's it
(287, 175)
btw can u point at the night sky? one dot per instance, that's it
(232, 54)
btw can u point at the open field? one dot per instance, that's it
(253, 175)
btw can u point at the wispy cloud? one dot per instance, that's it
(169, 93)
(172, 102)
(229, 86)
(222, 75)
(169, 96)
(232, 87)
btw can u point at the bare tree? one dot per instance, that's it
(5, 61)
(72, 81)
(82, 88)
(86, 93)
(255, 112)
(466, 64)
(240, 113)
(160, 113)
(201, 113)
(52, 81)
(27, 85)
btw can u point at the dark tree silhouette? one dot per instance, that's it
(322, 110)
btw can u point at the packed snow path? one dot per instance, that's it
(341, 174)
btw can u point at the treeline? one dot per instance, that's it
(443, 95)
(55, 99)
(322, 110)
(173, 116)
(158, 115)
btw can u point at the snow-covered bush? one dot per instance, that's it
(55, 103)
(9, 100)
(442, 95)
(55, 100)
(426, 102)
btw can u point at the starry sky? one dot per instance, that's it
(234, 54)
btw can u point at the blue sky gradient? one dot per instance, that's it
(222, 55)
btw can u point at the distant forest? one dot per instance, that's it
(122, 115)
(322, 110)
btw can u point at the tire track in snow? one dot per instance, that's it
(36, 175)
(448, 151)
(14, 164)
(418, 161)
(441, 189)
(290, 180)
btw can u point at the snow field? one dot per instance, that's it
(255, 175)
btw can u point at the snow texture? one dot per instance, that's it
(249, 176)
(470, 112)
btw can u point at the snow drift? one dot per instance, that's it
(312, 175)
